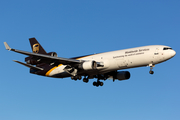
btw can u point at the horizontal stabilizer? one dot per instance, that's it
(27, 65)
(7, 46)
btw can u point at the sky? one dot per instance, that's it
(78, 27)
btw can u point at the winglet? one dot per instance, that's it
(7, 46)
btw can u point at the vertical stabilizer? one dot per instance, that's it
(36, 47)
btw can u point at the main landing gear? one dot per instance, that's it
(86, 79)
(76, 78)
(151, 67)
(98, 83)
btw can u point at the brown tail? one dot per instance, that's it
(36, 47)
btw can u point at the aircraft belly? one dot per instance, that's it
(57, 70)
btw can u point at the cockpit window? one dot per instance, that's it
(166, 48)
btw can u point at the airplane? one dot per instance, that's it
(102, 66)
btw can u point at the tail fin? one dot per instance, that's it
(36, 47)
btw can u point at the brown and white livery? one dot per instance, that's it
(102, 66)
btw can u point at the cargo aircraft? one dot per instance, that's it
(101, 66)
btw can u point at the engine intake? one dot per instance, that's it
(54, 54)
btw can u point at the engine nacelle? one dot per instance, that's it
(54, 54)
(123, 75)
(32, 62)
(89, 65)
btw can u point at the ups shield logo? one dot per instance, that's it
(36, 48)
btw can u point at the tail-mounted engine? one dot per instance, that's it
(34, 61)
(54, 54)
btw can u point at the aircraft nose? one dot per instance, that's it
(173, 53)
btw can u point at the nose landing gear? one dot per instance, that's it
(151, 72)
(151, 67)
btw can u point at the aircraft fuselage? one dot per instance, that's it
(121, 59)
(101, 66)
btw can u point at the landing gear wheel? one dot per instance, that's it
(101, 83)
(79, 77)
(96, 84)
(86, 80)
(151, 72)
(74, 78)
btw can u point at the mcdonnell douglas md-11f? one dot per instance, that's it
(102, 66)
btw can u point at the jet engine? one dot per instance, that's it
(88, 65)
(32, 62)
(122, 75)
(54, 54)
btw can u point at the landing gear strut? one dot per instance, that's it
(151, 67)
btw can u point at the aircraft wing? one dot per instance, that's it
(64, 61)
(27, 65)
